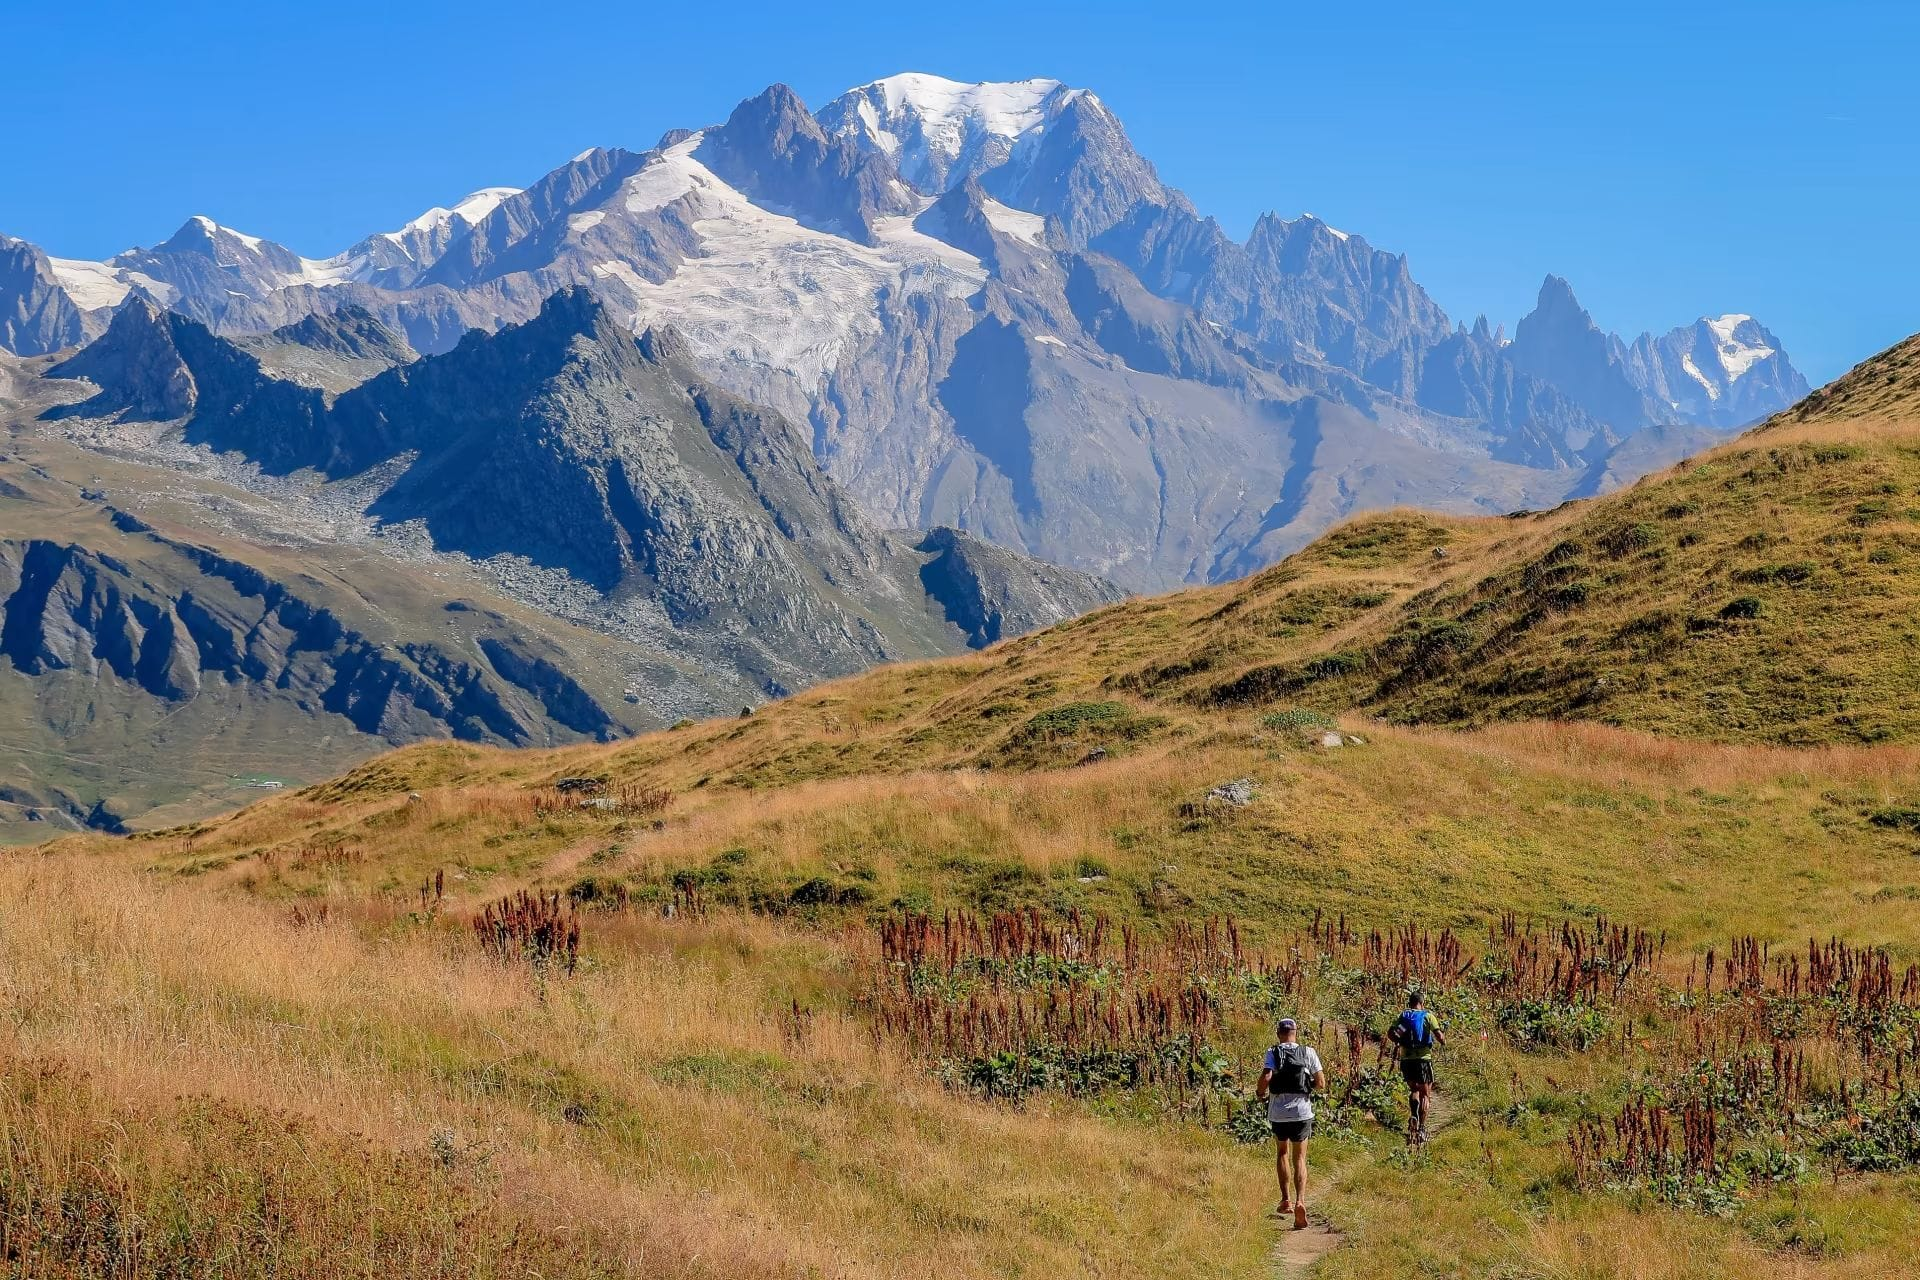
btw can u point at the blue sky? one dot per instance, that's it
(1670, 160)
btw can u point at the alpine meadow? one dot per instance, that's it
(848, 694)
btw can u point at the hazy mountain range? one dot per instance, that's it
(987, 311)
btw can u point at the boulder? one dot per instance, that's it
(1238, 793)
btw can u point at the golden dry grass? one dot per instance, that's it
(650, 1116)
(657, 1107)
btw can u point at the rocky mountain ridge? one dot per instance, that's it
(550, 532)
(989, 311)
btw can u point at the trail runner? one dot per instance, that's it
(1292, 1075)
(1416, 1032)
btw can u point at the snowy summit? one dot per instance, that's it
(941, 132)
(1740, 343)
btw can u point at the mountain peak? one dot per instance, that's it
(1556, 296)
(471, 210)
(1274, 235)
(351, 331)
(575, 311)
(195, 235)
(136, 364)
(1721, 371)
(1559, 343)
(776, 154)
(777, 114)
(940, 132)
(1316, 222)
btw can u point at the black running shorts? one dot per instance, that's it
(1416, 1070)
(1292, 1130)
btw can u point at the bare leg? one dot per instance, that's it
(1280, 1171)
(1297, 1157)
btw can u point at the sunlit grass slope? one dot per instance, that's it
(269, 1044)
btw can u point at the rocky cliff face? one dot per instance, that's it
(992, 594)
(70, 609)
(1468, 374)
(551, 533)
(156, 667)
(136, 365)
(772, 150)
(566, 445)
(330, 351)
(1559, 344)
(36, 315)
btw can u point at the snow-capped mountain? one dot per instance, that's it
(204, 269)
(1722, 371)
(990, 312)
(938, 132)
(396, 258)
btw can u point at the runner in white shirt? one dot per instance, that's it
(1291, 1076)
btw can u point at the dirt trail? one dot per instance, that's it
(1296, 1251)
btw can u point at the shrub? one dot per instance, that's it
(1552, 1023)
(1886, 1140)
(1743, 607)
(1793, 574)
(1446, 637)
(1873, 511)
(1334, 665)
(1298, 720)
(1631, 538)
(1896, 818)
(1070, 718)
(822, 892)
(1561, 553)
(1570, 596)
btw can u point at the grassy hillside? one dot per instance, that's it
(963, 968)
(725, 1083)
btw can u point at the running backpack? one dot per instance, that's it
(1290, 1074)
(1414, 1029)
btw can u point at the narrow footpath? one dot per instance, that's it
(1296, 1251)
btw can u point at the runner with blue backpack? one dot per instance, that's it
(1291, 1076)
(1415, 1032)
